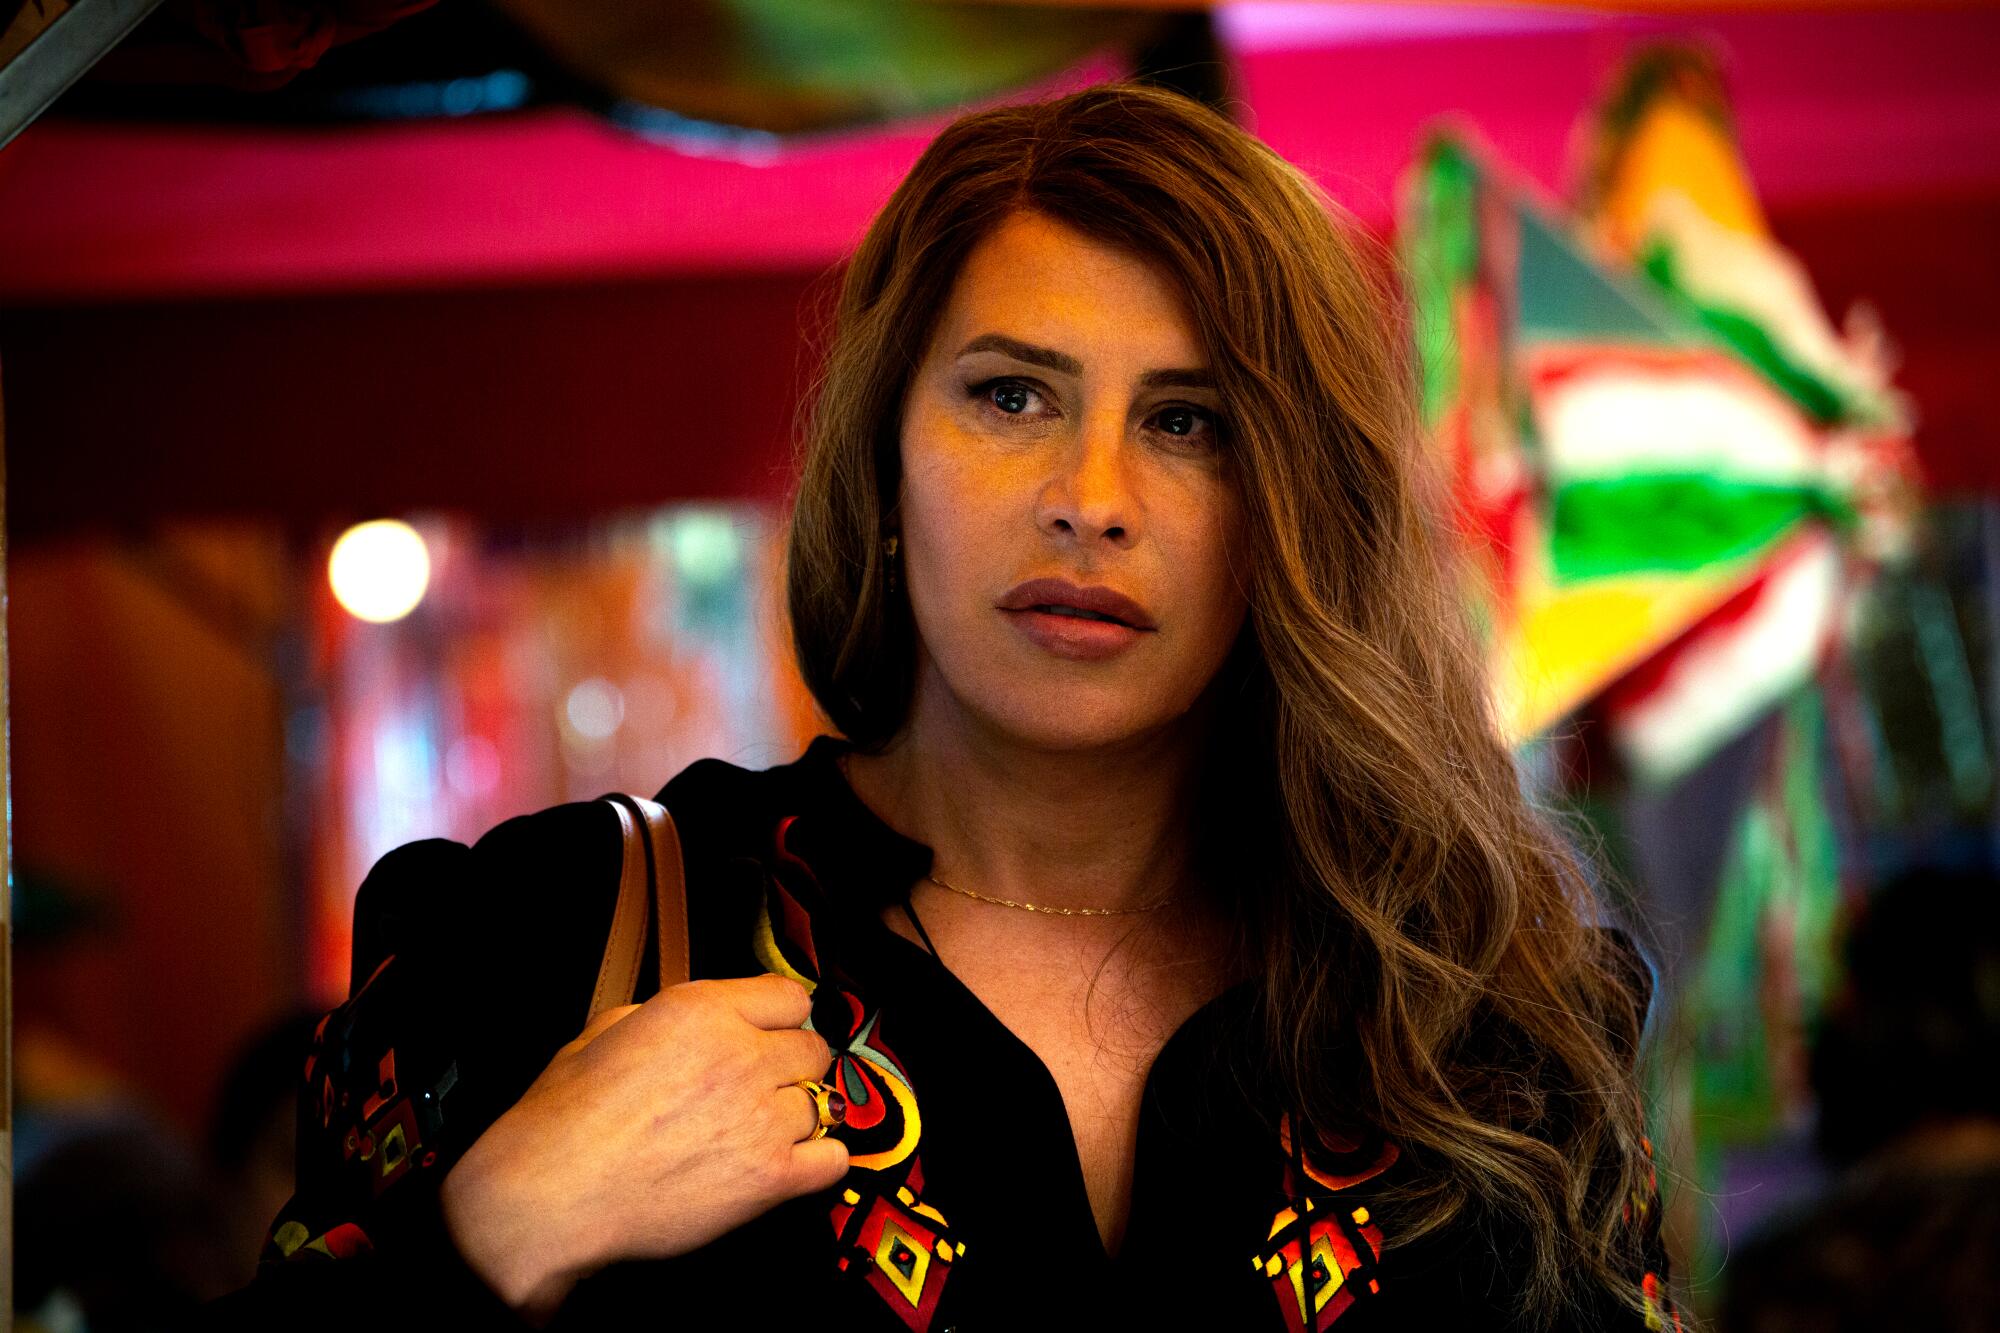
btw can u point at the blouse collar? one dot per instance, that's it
(856, 855)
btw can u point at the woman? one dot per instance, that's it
(1170, 918)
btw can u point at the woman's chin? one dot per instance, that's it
(1076, 722)
(1054, 707)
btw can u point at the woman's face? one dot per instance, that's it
(1067, 515)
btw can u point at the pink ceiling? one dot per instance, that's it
(1833, 106)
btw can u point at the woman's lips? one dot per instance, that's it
(1074, 637)
(1061, 594)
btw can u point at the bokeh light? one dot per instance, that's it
(379, 570)
(595, 709)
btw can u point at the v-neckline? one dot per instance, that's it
(899, 862)
(1051, 1090)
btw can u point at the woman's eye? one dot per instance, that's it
(1012, 397)
(1187, 423)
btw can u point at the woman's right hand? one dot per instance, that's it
(661, 1127)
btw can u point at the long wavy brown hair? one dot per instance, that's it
(1407, 911)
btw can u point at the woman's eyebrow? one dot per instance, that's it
(1065, 364)
(1177, 379)
(1060, 362)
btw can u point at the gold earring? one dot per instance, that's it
(889, 569)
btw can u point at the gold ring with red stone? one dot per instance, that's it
(827, 1102)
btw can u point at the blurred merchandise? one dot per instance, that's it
(1917, 702)
(537, 669)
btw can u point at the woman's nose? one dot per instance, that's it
(1088, 495)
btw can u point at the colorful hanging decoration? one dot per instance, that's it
(1663, 457)
(736, 74)
(1667, 192)
(1766, 968)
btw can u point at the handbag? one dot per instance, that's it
(651, 880)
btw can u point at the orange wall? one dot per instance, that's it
(147, 753)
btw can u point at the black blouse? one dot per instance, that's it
(965, 1207)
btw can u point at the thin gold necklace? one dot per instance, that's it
(1052, 911)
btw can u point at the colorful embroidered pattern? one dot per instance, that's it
(1323, 1253)
(888, 1237)
(901, 1246)
(373, 1131)
(883, 1123)
(1660, 1311)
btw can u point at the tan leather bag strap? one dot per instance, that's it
(618, 974)
(669, 890)
(651, 880)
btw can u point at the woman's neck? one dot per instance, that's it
(1107, 827)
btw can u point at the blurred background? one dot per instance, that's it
(399, 414)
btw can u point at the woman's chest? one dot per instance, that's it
(976, 1203)
(1098, 1041)
(1094, 1010)
(1025, 1140)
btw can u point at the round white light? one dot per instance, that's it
(596, 709)
(379, 570)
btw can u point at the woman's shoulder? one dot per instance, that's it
(716, 801)
(517, 920)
